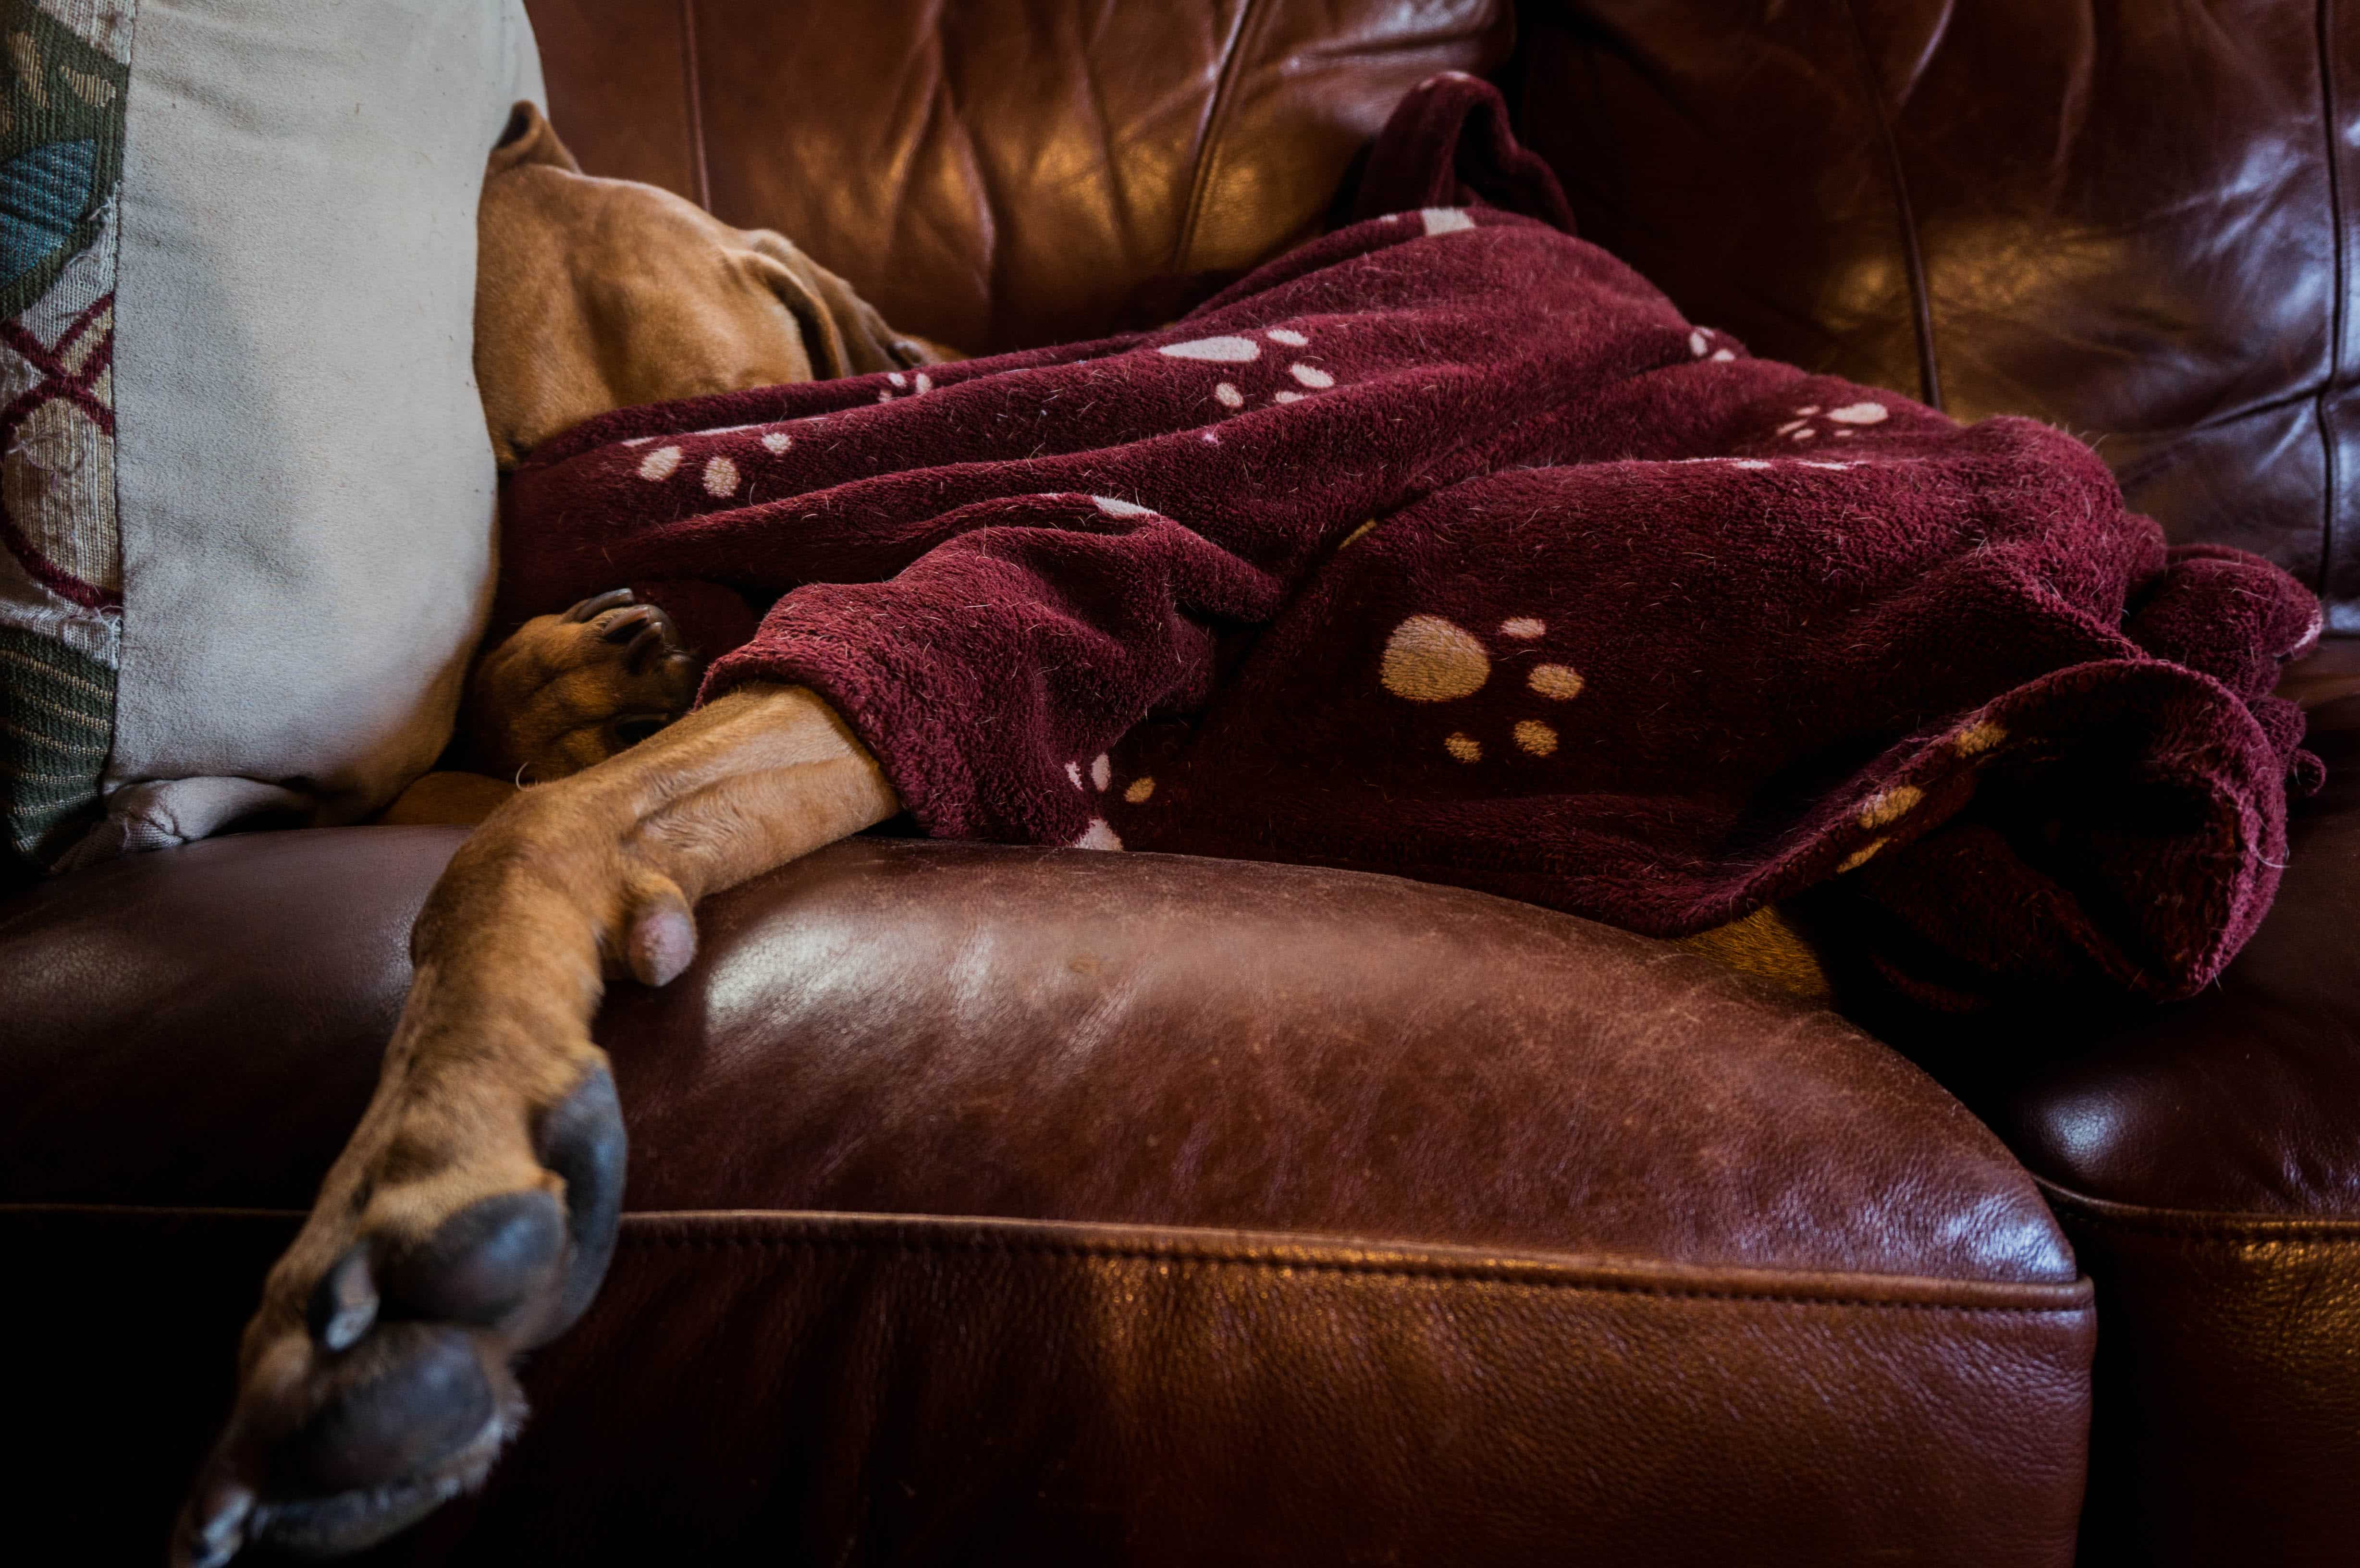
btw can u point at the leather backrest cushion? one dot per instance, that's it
(996, 174)
(2124, 218)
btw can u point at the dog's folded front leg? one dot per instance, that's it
(473, 1213)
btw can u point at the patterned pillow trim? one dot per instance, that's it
(66, 68)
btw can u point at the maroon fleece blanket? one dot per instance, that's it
(1445, 546)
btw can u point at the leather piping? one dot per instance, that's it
(1278, 1254)
(2242, 1229)
(1929, 378)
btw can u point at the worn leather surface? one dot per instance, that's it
(203, 1029)
(1283, 1207)
(1002, 173)
(2206, 1162)
(1164, 1041)
(2130, 218)
(894, 1026)
(2228, 1402)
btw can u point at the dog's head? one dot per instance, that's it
(599, 294)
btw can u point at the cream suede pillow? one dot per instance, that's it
(250, 545)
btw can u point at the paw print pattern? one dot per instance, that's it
(1430, 659)
(1218, 351)
(1882, 810)
(1811, 419)
(720, 474)
(1231, 349)
(1890, 807)
(1096, 780)
(1701, 345)
(1984, 735)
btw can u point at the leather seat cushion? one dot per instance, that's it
(1043, 1205)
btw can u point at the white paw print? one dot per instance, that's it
(1237, 349)
(1430, 659)
(1701, 345)
(1844, 421)
(1096, 780)
(720, 474)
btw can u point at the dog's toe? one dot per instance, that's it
(598, 604)
(654, 642)
(390, 1391)
(330, 1452)
(623, 624)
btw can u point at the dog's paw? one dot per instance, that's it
(377, 1379)
(570, 691)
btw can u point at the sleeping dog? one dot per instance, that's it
(473, 1212)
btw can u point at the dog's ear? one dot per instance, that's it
(824, 343)
(843, 333)
(528, 139)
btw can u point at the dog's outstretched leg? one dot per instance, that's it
(473, 1214)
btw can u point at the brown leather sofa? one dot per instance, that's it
(997, 1205)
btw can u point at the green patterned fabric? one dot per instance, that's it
(64, 74)
(61, 149)
(56, 716)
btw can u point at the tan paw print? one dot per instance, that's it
(1887, 807)
(1430, 659)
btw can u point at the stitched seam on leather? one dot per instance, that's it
(2220, 1230)
(1209, 139)
(2077, 1208)
(636, 1230)
(2329, 461)
(1446, 1274)
(1930, 380)
(693, 89)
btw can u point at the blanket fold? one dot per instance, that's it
(1444, 545)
